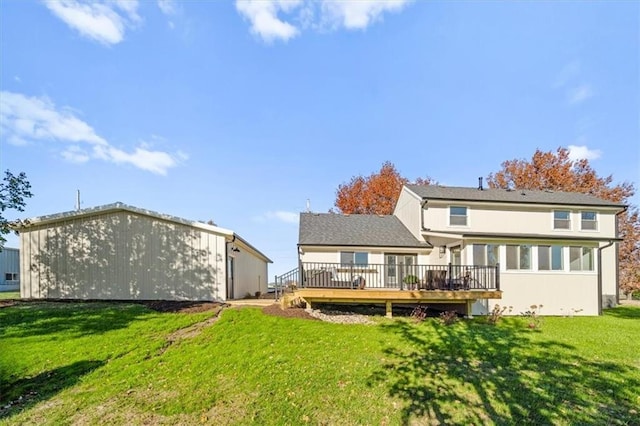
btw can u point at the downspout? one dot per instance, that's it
(618, 256)
(600, 275)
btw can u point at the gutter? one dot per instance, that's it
(423, 204)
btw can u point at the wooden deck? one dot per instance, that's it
(390, 296)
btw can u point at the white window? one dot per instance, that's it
(550, 258)
(457, 216)
(486, 254)
(561, 219)
(354, 258)
(589, 221)
(519, 257)
(11, 276)
(581, 258)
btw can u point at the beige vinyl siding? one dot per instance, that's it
(376, 255)
(408, 210)
(122, 255)
(560, 294)
(517, 219)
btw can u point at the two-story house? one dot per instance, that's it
(554, 249)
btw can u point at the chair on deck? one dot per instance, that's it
(327, 279)
(435, 280)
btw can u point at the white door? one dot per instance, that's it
(398, 266)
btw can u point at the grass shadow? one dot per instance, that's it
(27, 319)
(26, 392)
(623, 312)
(473, 373)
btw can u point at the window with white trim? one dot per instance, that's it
(581, 258)
(354, 258)
(486, 254)
(588, 221)
(561, 219)
(457, 216)
(550, 258)
(11, 276)
(519, 257)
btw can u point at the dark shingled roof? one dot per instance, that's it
(435, 192)
(355, 230)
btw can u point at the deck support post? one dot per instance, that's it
(388, 309)
(470, 308)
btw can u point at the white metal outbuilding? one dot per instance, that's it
(121, 252)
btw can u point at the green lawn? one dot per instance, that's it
(124, 364)
(9, 295)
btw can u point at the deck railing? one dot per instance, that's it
(286, 282)
(399, 276)
(389, 276)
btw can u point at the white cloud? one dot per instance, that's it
(568, 80)
(104, 22)
(263, 15)
(152, 161)
(168, 7)
(359, 14)
(569, 72)
(171, 9)
(75, 154)
(579, 94)
(280, 215)
(32, 118)
(582, 152)
(288, 217)
(26, 120)
(274, 19)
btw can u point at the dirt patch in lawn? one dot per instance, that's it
(192, 330)
(185, 307)
(7, 303)
(277, 311)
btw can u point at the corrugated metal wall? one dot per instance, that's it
(122, 255)
(250, 274)
(9, 264)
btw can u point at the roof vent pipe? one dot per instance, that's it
(480, 183)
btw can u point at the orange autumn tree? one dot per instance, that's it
(558, 172)
(374, 194)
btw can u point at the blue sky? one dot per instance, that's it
(240, 111)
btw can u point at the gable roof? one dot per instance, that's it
(436, 192)
(115, 207)
(329, 229)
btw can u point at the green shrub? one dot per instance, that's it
(410, 279)
(448, 317)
